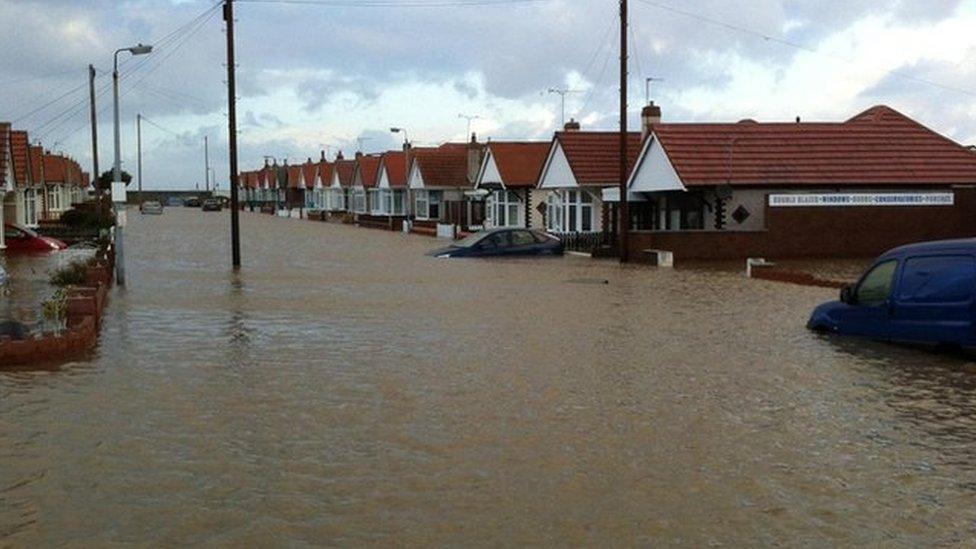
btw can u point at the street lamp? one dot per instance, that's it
(118, 188)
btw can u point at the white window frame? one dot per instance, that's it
(394, 197)
(501, 206)
(359, 200)
(30, 207)
(565, 211)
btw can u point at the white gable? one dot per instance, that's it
(557, 174)
(416, 179)
(318, 179)
(383, 180)
(654, 171)
(489, 173)
(335, 177)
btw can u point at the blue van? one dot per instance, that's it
(919, 293)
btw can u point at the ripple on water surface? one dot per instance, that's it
(345, 388)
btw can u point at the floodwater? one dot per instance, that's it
(344, 389)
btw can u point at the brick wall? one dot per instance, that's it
(821, 232)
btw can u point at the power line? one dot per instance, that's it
(795, 45)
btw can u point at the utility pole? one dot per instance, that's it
(94, 132)
(206, 163)
(139, 156)
(235, 227)
(622, 209)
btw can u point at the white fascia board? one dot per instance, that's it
(557, 173)
(654, 171)
(416, 178)
(489, 172)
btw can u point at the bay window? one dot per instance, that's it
(427, 204)
(359, 200)
(570, 211)
(503, 209)
(398, 205)
(30, 207)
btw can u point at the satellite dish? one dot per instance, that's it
(724, 192)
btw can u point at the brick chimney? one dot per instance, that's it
(339, 156)
(572, 126)
(359, 154)
(323, 156)
(475, 151)
(650, 115)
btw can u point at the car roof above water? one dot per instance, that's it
(961, 245)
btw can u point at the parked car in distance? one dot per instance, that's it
(502, 242)
(919, 293)
(212, 205)
(23, 240)
(174, 201)
(151, 207)
(192, 202)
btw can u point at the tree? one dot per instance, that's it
(105, 180)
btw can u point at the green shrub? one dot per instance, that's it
(72, 274)
(89, 218)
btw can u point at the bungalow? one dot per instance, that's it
(581, 174)
(509, 173)
(799, 189)
(316, 199)
(387, 199)
(439, 179)
(62, 178)
(363, 181)
(294, 190)
(338, 200)
(28, 179)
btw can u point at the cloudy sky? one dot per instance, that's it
(337, 74)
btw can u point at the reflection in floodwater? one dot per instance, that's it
(346, 389)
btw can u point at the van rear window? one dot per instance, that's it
(937, 279)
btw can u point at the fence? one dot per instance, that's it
(599, 244)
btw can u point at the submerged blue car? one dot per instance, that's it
(920, 293)
(502, 242)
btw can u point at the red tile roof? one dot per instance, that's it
(55, 169)
(594, 157)
(877, 146)
(309, 170)
(37, 163)
(519, 162)
(345, 169)
(19, 148)
(294, 176)
(368, 167)
(325, 172)
(445, 166)
(395, 164)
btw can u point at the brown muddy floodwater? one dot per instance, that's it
(345, 389)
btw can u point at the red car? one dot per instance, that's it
(21, 239)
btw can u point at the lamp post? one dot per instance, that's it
(118, 187)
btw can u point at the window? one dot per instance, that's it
(398, 203)
(943, 279)
(427, 204)
(875, 287)
(522, 238)
(570, 211)
(495, 240)
(503, 209)
(30, 207)
(359, 200)
(420, 204)
(54, 198)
